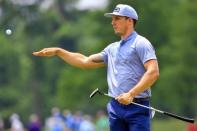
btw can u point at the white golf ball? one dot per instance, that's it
(8, 31)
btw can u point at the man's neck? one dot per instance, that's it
(125, 36)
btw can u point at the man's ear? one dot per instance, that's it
(131, 21)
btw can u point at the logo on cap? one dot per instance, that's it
(117, 9)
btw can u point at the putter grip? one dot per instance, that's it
(179, 117)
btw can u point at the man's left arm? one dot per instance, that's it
(147, 80)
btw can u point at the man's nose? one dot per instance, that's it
(112, 22)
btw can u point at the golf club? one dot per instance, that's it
(97, 91)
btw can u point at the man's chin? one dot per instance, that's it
(117, 33)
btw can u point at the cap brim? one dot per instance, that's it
(110, 14)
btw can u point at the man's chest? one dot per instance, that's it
(123, 53)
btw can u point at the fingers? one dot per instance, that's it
(124, 99)
(43, 52)
(40, 53)
(118, 97)
(37, 53)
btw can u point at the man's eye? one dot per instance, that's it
(117, 18)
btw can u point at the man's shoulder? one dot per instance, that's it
(141, 38)
(141, 42)
(138, 41)
(113, 44)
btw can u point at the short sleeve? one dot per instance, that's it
(104, 54)
(145, 50)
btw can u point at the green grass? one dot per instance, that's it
(168, 125)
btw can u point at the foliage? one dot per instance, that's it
(170, 125)
(34, 85)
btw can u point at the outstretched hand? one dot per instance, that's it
(46, 52)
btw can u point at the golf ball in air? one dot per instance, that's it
(8, 32)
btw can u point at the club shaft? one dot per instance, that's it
(179, 117)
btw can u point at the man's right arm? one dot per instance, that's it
(74, 59)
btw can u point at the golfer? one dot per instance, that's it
(132, 69)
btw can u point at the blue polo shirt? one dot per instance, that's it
(125, 63)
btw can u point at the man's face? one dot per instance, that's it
(120, 24)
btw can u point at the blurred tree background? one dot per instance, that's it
(30, 84)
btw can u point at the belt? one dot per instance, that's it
(141, 99)
(137, 100)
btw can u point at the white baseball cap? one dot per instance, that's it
(123, 10)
